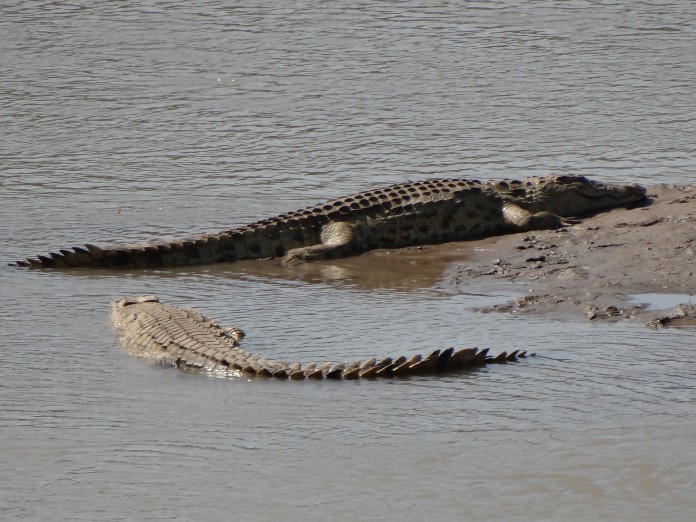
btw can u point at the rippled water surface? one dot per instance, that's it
(132, 121)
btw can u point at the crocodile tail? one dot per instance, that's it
(176, 253)
(187, 339)
(439, 361)
(250, 242)
(256, 241)
(137, 256)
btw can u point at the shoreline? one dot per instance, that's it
(593, 268)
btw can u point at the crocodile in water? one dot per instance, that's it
(414, 213)
(185, 338)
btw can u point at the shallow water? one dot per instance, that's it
(661, 301)
(132, 121)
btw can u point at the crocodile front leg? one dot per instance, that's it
(338, 239)
(523, 220)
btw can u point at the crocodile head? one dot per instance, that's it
(118, 306)
(567, 195)
(127, 301)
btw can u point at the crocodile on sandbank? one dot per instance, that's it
(185, 338)
(414, 213)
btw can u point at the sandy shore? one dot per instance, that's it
(594, 267)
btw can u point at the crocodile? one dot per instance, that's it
(414, 213)
(185, 338)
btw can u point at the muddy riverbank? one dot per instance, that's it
(601, 267)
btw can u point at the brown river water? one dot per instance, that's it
(128, 121)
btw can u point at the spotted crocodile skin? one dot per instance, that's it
(414, 213)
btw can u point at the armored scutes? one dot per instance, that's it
(415, 213)
(187, 339)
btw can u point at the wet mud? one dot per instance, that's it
(596, 267)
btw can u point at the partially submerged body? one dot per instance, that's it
(185, 338)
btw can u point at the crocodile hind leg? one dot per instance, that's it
(523, 220)
(338, 239)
